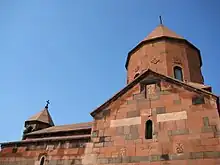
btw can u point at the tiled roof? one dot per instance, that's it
(42, 116)
(63, 128)
(162, 31)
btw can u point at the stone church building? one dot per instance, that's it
(165, 115)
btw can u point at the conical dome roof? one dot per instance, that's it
(159, 32)
(162, 31)
(42, 116)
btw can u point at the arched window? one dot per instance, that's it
(136, 75)
(178, 74)
(42, 160)
(149, 130)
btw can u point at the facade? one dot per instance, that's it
(165, 115)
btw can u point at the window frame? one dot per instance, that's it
(178, 68)
(42, 160)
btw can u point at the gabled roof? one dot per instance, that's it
(162, 31)
(143, 76)
(63, 128)
(42, 116)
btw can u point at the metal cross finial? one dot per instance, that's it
(48, 102)
(161, 21)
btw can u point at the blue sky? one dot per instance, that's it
(73, 52)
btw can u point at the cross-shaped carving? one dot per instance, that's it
(177, 60)
(179, 148)
(155, 60)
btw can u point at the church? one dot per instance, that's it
(165, 115)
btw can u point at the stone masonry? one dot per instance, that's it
(165, 115)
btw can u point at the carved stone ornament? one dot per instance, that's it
(177, 60)
(122, 151)
(137, 69)
(155, 60)
(179, 148)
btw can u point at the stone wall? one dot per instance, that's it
(162, 57)
(185, 128)
(65, 153)
(185, 131)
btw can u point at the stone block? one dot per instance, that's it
(96, 150)
(138, 141)
(115, 154)
(126, 159)
(210, 141)
(95, 140)
(126, 130)
(209, 129)
(89, 159)
(107, 144)
(165, 92)
(102, 161)
(138, 159)
(206, 121)
(153, 97)
(119, 131)
(176, 102)
(211, 154)
(160, 110)
(178, 132)
(119, 141)
(196, 155)
(101, 132)
(154, 158)
(180, 124)
(114, 160)
(170, 125)
(125, 122)
(172, 116)
(108, 138)
(178, 156)
(217, 134)
(97, 145)
(165, 85)
(138, 96)
(133, 113)
(134, 132)
(128, 137)
(131, 102)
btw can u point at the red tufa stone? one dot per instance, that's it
(196, 133)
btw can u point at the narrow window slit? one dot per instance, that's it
(149, 130)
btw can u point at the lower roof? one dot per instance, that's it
(63, 128)
(56, 129)
(63, 138)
